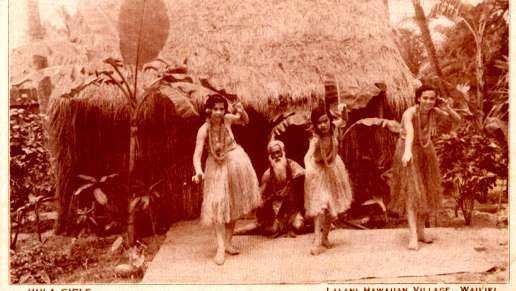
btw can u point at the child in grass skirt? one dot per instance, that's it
(230, 187)
(327, 187)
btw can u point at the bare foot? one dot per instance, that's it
(232, 250)
(316, 250)
(327, 244)
(425, 239)
(413, 245)
(219, 257)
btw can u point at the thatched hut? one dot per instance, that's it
(275, 56)
(89, 133)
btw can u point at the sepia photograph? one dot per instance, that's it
(358, 144)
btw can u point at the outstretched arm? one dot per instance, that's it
(199, 146)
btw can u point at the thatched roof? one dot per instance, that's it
(58, 53)
(266, 51)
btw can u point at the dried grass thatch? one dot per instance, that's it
(165, 147)
(89, 134)
(57, 52)
(272, 53)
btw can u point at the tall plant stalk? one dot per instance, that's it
(427, 38)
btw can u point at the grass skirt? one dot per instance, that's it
(230, 189)
(417, 185)
(327, 188)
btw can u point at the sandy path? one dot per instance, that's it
(375, 256)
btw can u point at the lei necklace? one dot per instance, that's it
(217, 145)
(327, 158)
(429, 126)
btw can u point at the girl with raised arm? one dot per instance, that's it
(416, 180)
(327, 186)
(230, 187)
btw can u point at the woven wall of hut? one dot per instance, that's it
(89, 135)
(165, 148)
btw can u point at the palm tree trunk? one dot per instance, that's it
(35, 30)
(386, 4)
(427, 39)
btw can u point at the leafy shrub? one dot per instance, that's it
(30, 170)
(472, 161)
(36, 264)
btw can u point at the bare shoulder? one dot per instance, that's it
(409, 113)
(266, 176)
(202, 130)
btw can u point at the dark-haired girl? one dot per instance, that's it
(230, 187)
(416, 180)
(327, 187)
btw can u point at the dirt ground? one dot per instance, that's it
(90, 259)
(463, 254)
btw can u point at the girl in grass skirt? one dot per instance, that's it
(327, 187)
(416, 179)
(230, 187)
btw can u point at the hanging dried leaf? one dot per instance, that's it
(391, 125)
(143, 29)
(291, 120)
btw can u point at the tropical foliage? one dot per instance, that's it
(473, 162)
(473, 70)
(30, 170)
